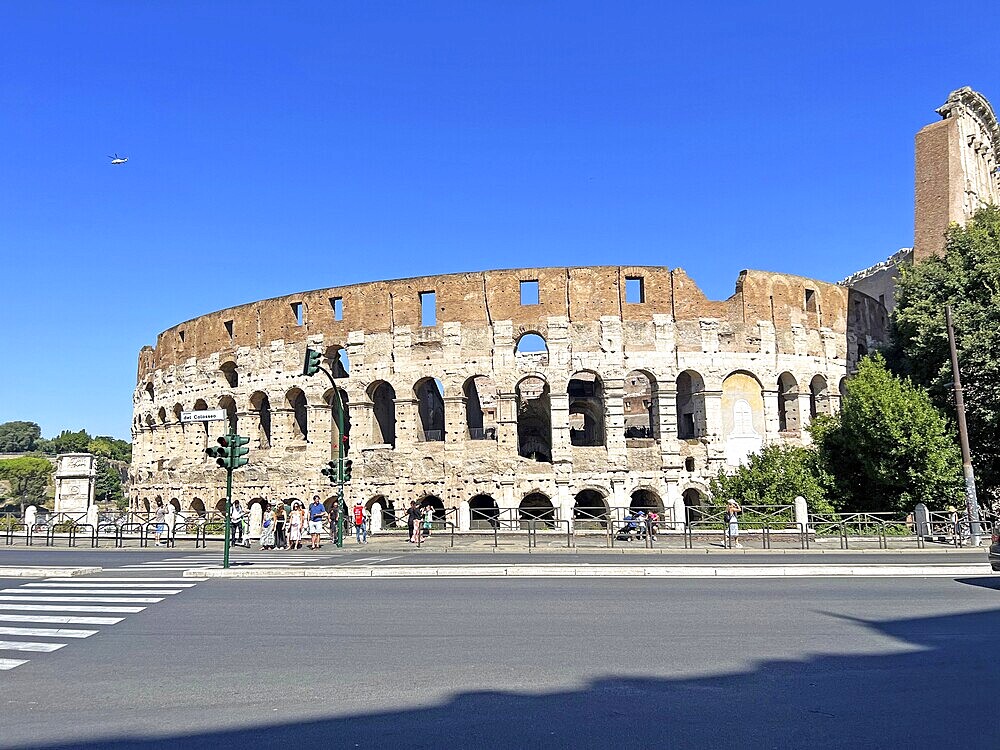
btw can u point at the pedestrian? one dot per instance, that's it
(413, 522)
(169, 522)
(653, 522)
(316, 514)
(732, 530)
(296, 520)
(280, 540)
(360, 532)
(953, 522)
(267, 529)
(428, 519)
(159, 527)
(236, 523)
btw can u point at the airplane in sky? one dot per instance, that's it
(116, 159)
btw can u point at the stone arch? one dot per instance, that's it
(819, 397)
(590, 509)
(148, 392)
(843, 387)
(788, 403)
(296, 401)
(742, 416)
(261, 405)
(646, 500)
(483, 512)
(534, 419)
(694, 503)
(383, 399)
(536, 506)
(197, 506)
(230, 376)
(690, 405)
(436, 503)
(161, 415)
(586, 409)
(388, 510)
(531, 347)
(255, 514)
(481, 405)
(202, 405)
(642, 408)
(175, 503)
(229, 404)
(429, 393)
(178, 410)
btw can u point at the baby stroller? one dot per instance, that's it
(634, 528)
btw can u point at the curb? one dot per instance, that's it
(37, 572)
(597, 571)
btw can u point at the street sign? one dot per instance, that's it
(205, 415)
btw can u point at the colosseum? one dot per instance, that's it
(564, 393)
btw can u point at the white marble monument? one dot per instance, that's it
(75, 474)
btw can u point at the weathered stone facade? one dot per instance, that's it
(454, 408)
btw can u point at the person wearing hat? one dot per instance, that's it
(956, 527)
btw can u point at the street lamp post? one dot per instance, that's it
(971, 502)
(311, 367)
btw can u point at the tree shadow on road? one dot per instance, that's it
(938, 689)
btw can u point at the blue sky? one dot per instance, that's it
(315, 144)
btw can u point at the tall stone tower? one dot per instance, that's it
(956, 169)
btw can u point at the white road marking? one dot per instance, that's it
(60, 619)
(132, 580)
(4, 606)
(113, 592)
(47, 632)
(11, 663)
(30, 646)
(107, 583)
(81, 599)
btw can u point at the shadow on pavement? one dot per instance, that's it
(937, 690)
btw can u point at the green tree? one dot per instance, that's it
(968, 278)
(111, 448)
(27, 477)
(109, 480)
(888, 448)
(70, 442)
(775, 476)
(18, 437)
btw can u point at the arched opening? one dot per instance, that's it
(694, 502)
(200, 405)
(480, 408)
(229, 374)
(177, 410)
(229, 404)
(198, 507)
(843, 388)
(338, 362)
(641, 408)
(586, 409)
(536, 507)
(296, 400)
(690, 405)
(534, 419)
(175, 504)
(388, 510)
(531, 349)
(436, 504)
(220, 506)
(148, 390)
(742, 417)
(161, 416)
(590, 511)
(819, 402)
(384, 413)
(145, 505)
(646, 501)
(483, 512)
(788, 403)
(260, 403)
(430, 409)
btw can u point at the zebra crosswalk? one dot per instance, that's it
(29, 612)
(204, 561)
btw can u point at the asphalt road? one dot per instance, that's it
(842, 663)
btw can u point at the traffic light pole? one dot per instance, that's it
(311, 367)
(229, 520)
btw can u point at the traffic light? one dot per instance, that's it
(330, 471)
(348, 463)
(231, 453)
(313, 359)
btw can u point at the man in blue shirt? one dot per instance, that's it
(316, 514)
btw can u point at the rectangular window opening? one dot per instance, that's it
(229, 329)
(881, 300)
(635, 290)
(297, 311)
(428, 308)
(810, 300)
(529, 292)
(337, 303)
(181, 334)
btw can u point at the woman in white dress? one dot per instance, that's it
(267, 529)
(296, 520)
